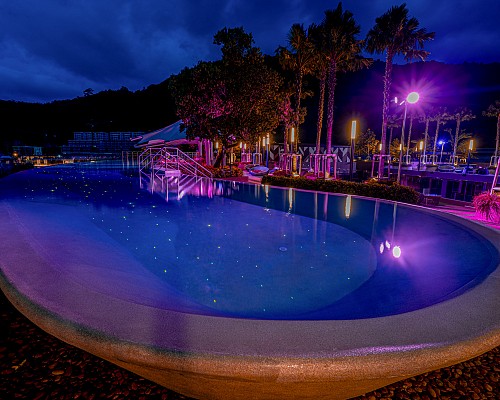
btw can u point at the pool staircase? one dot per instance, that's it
(162, 162)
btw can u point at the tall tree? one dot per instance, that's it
(494, 111)
(366, 144)
(298, 57)
(342, 49)
(426, 119)
(394, 121)
(413, 115)
(231, 100)
(395, 33)
(463, 144)
(441, 116)
(286, 114)
(200, 96)
(320, 69)
(460, 115)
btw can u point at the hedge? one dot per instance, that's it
(224, 172)
(376, 190)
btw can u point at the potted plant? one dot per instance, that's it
(488, 205)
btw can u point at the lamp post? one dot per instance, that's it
(294, 158)
(441, 143)
(267, 150)
(420, 147)
(471, 144)
(353, 138)
(412, 98)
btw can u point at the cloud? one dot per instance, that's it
(55, 49)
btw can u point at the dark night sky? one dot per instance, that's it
(55, 49)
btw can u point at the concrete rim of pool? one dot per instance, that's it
(213, 357)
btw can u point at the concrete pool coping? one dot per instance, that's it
(210, 357)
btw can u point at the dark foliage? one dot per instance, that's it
(393, 192)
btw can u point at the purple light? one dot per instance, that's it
(412, 97)
(396, 252)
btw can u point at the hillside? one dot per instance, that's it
(358, 95)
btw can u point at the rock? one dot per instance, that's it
(57, 372)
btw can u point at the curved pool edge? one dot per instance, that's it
(213, 376)
(276, 358)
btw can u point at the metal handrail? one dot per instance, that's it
(155, 159)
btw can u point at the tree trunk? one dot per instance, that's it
(285, 140)
(426, 134)
(438, 121)
(321, 106)
(455, 141)
(409, 135)
(390, 139)
(332, 81)
(497, 144)
(385, 110)
(298, 94)
(219, 158)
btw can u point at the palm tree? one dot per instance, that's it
(393, 122)
(440, 116)
(317, 36)
(286, 118)
(425, 118)
(460, 115)
(299, 59)
(395, 34)
(412, 117)
(342, 49)
(494, 111)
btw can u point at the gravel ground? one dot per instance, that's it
(37, 366)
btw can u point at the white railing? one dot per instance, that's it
(169, 161)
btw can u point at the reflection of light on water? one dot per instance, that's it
(348, 206)
(396, 251)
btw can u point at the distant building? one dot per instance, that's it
(27, 151)
(87, 143)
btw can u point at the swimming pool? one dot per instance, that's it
(250, 251)
(217, 288)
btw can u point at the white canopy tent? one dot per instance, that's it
(172, 136)
(169, 136)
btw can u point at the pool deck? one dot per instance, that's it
(88, 299)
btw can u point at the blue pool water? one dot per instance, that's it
(251, 251)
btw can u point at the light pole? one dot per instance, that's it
(294, 158)
(412, 98)
(353, 138)
(441, 143)
(471, 144)
(267, 150)
(420, 147)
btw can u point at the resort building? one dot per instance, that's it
(111, 143)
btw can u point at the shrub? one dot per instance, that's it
(393, 192)
(224, 172)
(488, 205)
(281, 172)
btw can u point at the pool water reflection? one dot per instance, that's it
(251, 251)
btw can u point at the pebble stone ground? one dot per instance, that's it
(36, 366)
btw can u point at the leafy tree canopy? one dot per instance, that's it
(234, 99)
